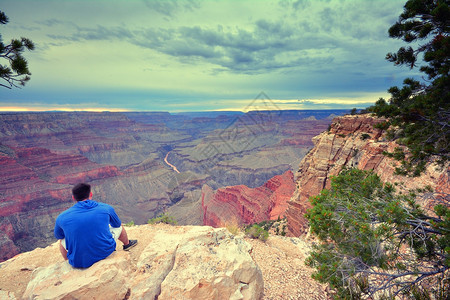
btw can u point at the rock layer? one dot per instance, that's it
(352, 141)
(189, 262)
(243, 205)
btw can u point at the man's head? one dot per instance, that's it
(81, 191)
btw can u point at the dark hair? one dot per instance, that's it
(81, 191)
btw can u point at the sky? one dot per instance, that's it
(193, 55)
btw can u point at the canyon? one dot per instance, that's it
(130, 159)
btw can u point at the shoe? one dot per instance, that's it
(130, 245)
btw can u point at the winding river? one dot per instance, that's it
(169, 164)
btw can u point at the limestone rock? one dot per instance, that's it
(185, 262)
(7, 295)
(107, 278)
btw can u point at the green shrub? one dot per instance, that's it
(257, 232)
(283, 231)
(233, 226)
(129, 224)
(163, 218)
(365, 136)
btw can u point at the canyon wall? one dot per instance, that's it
(352, 141)
(243, 205)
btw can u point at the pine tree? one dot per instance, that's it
(419, 112)
(375, 242)
(15, 72)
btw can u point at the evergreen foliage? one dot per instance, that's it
(376, 242)
(419, 112)
(15, 72)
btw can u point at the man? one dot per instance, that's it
(88, 230)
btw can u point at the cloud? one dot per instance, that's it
(170, 8)
(324, 32)
(159, 53)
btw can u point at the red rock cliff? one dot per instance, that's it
(242, 204)
(351, 141)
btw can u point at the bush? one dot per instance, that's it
(163, 218)
(129, 224)
(233, 226)
(257, 232)
(365, 136)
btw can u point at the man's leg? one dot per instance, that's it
(123, 237)
(62, 249)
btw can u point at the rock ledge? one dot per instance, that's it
(170, 262)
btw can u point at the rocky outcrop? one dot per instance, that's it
(187, 262)
(243, 205)
(352, 141)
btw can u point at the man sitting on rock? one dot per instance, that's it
(88, 230)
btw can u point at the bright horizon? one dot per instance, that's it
(181, 56)
(272, 104)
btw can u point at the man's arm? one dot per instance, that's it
(58, 231)
(59, 234)
(62, 250)
(114, 219)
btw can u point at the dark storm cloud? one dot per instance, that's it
(264, 45)
(236, 49)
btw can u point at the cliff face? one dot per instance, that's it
(353, 142)
(241, 204)
(190, 262)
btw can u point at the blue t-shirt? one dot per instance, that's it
(85, 226)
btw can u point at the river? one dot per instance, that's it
(169, 164)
